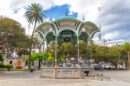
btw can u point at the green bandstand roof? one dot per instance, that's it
(67, 29)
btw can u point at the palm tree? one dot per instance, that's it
(34, 14)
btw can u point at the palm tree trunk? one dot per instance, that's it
(39, 64)
(29, 62)
(30, 49)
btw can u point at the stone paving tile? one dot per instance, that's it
(42, 82)
(118, 78)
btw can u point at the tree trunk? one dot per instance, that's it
(116, 67)
(30, 49)
(128, 60)
(29, 62)
(39, 64)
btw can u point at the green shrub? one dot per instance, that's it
(7, 66)
(1, 57)
(1, 66)
(38, 56)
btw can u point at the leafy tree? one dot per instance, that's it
(52, 48)
(46, 57)
(114, 55)
(92, 51)
(83, 48)
(61, 59)
(9, 27)
(50, 57)
(12, 35)
(34, 14)
(38, 56)
(67, 48)
(126, 47)
(100, 53)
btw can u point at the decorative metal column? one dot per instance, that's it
(78, 48)
(55, 59)
(44, 44)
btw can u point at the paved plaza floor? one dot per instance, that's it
(115, 78)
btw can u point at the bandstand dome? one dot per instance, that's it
(64, 28)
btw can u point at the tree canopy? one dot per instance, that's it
(12, 34)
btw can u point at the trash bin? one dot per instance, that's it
(86, 72)
(31, 70)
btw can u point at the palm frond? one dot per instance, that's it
(34, 13)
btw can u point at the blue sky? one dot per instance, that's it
(58, 12)
(114, 16)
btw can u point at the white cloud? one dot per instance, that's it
(15, 10)
(89, 8)
(111, 35)
(80, 6)
(114, 15)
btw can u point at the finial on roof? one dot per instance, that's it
(99, 9)
(83, 18)
(50, 18)
(67, 12)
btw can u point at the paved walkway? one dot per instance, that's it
(33, 79)
(122, 75)
(42, 82)
(19, 75)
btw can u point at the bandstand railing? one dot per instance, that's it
(66, 72)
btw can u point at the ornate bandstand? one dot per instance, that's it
(65, 30)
